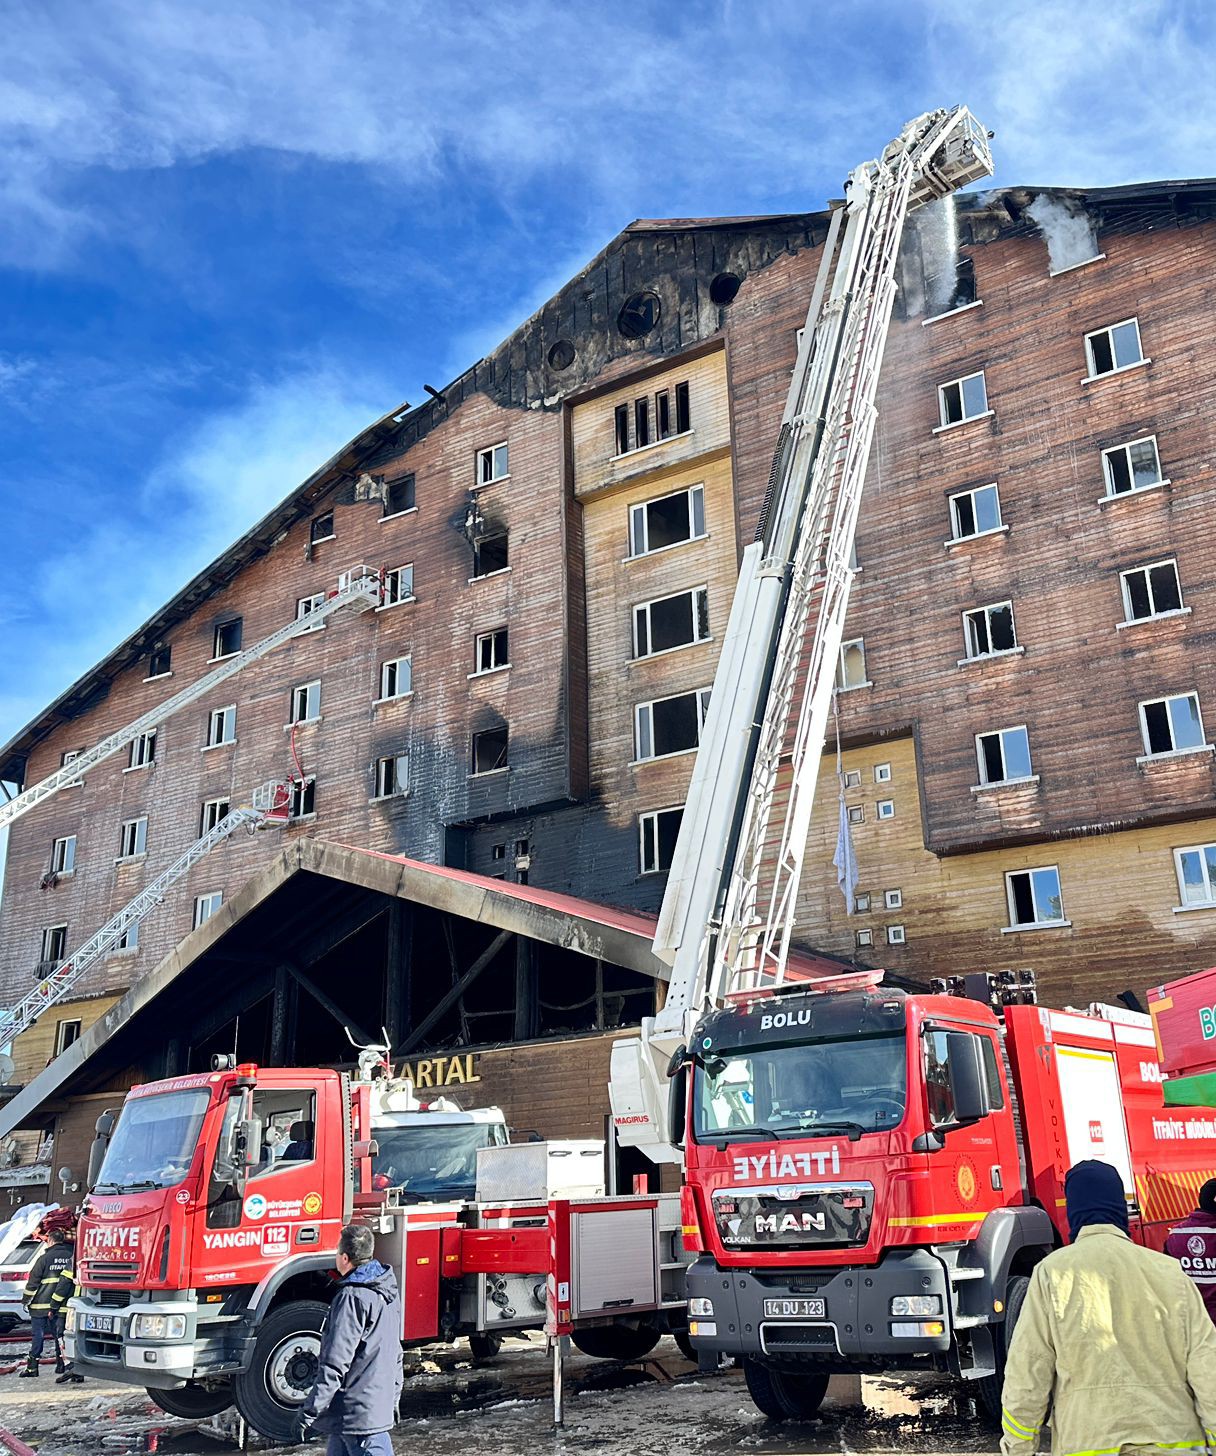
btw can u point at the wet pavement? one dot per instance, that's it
(657, 1407)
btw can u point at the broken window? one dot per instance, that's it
(133, 838)
(492, 464)
(498, 851)
(54, 945)
(205, 906)
(396, 678)
(851, 668)
(1134, 466)
(975, 512)
(670, 725)
(221, 726)
(649, 420)
(490, 555)
(306, 606)
(489, 750)
(302, 800)
(392, 775)
(675, 621)
(490, 650)
(620, 418)
(1196, 866)
(641, 423)
(659, 831)
(306, 703)
(683, 409)
(662, 415)
(988, 630)
(227, 639)
(1113, 348)
(399, 496)
(1172, 725)
(1034, 897)
(1004, 756)
(129, 939)
(142, 750)
(63, 855)
(1151, 591)
(213, 811)
(321, 528)
(668, 520)
(399, 585)
(962, 399)
(158, 663)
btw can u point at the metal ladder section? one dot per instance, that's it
(359, 584)
(268, 806)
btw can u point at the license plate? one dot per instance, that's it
(795, 1308)
(99, 1324)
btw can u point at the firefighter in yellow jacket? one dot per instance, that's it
(1113, 1346)
(51, 1283)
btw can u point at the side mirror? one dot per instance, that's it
(246, 1149)
(678, 1058)
(968, 1087)
(677, 1103)
(97, 1150)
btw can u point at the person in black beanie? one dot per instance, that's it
(1193, 1244)
(1112, 1341)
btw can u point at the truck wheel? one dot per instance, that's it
(193, 1402)
(684, 1340)
(283, 1368)
(990, 1385)
(783, 1395)
(616, 1342)
(484, 1347)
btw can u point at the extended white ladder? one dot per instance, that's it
(359, 584)
(268, 806)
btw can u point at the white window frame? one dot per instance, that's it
(396, 576)
(297, 795)
(61, 1042)
(221, 727)
(63, 860)
(142, 751)
(982, 767)
(896, 935)
(856, 813)
(1117, 368)
(893, 899)
(315, 540)
(882, 773)
(490, 637)
(48, 931)
(489, 453)
(213, 811)
(306, 606)
(646, 607)
(394, 664)
(388, 515)
(381, 769)
(852, 778)
(973, 491)
(986, 612)
(128, 942)
(1174, 751)
(296, 718)
(846, 687)
(66, 758)
(165, 647)
(643, 724)
(944, 421)
(132, 839)
(216, 654)
(639, 530)
(884, 809)
(481, 773)
(1126, 447)
(1014, 923)
(206, 905)
(1209, 882)
(1181, 610)
(652, 815)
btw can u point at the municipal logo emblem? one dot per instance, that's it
(255, 1206)
(312, 1203)
(1195, 1245)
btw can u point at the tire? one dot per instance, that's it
(193, 1402)
(783, 1395)
(616, 1342)
(990, 1386)
(684, 1340)
(283, 1368)
(484, 1347)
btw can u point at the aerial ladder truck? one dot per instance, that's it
(869, 1177)
(267, 806)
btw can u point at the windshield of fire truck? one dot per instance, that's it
(854, 1084)
(154, 1141)
(437, 1162)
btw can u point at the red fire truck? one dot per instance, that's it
(207, 1241)
(871, 1176)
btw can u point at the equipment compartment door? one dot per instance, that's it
(1093, 1109)
(615, 1260)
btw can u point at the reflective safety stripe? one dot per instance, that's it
(1016, 1428)
(1160, 1445)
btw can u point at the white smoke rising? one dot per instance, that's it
(939, 249)
(1069, 235)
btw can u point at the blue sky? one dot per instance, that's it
(235, 233)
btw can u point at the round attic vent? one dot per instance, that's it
(561, 355)
(724, 287)
(639, 314)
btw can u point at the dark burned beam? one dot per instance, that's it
(314, 945)
(527, 1000)
(398, 969)
(327, 1003)
(284, 1018)
(447, 1001)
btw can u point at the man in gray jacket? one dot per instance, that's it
(359, 1374)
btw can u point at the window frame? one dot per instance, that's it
(303, 792)
(646, 606)
(488, 452)
(220, 716)
(1173, 751)
(882, 773)
(216, 633)
(165, 651)
(477, 547)
(986, 612)
(1180, 610)
(896, 935)
(397, 600)
(210, 811)
(639, 525)
(654, 816)
(379, 777)
(674, 400)
(982, 766)
(1010, 904)
(841, 685)
(1209, 877)
(136, 831)
(394, 663)
(316, 525)
(409, 479)
(944, 421)
(971, 492)
(1116, 368)
(852, 778)
(68, 867)
(314, 600)
(205, 899)
(1125, 447)
(48, 932)
(646, 710)
(62, 1042)
(893, 899)
(491, 637)
(479, 773)
(884, 810)
(863, 939)
(142, 750)
(295, 719)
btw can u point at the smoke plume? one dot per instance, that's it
(1069, 235)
